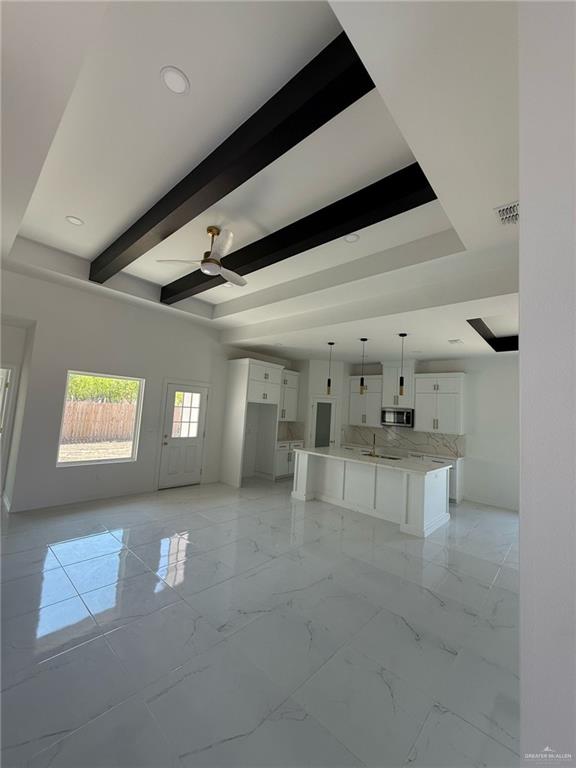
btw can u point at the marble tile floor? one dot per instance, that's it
(208, 626)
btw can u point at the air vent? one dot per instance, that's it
(508, 214)
(455, 341)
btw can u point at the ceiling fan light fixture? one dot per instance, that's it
(210, 267)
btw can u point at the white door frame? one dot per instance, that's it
(180, 383)
(333, 422)
(10, 409)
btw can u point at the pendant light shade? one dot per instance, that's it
(362, 382)
(329, 380)
(401, 382)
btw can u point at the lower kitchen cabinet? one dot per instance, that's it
(284, 458)
(359, 485)
(391, 494)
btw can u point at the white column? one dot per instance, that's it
(548, 377)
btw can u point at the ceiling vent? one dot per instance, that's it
(508, 214)
(455, 341)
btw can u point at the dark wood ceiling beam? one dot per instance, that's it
(392, 195)
(327, 85)
(498, 343)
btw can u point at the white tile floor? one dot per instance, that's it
(212, 627)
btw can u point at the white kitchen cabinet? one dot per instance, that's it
(450, 417)
(359, 485)
(290, 379)
(391, 494)
(391, 397)
(425, 412)
(439, 403)
(456, 475)
(289, 396)
(263, 392)
(282, 464)
(285, 458)
(250, 420)
(266, 373)
(365, 410)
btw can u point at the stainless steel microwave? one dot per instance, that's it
(397, 417)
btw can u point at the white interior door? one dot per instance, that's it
(183, 435)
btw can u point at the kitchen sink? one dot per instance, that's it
(381, 456)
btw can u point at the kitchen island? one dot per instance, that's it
(410, 492)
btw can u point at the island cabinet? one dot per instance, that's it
(412, 493)
(391, 499)
(359, 486)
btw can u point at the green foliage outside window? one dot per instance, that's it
(102, 389)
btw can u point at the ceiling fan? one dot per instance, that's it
(220, 244)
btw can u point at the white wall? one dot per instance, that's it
(13, 344)
(547, 33)
(492, 426)
(89, 329)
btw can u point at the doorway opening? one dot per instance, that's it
(323, 433)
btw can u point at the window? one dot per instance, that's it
(186, 414)
(101, 420)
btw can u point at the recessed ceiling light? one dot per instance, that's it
(352, 238)
(175, 80)
(74, 220)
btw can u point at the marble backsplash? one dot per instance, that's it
(290, 430)
(405, 440)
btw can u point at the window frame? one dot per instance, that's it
(137, 422)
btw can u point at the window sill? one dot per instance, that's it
(94, 462)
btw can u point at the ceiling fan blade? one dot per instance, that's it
(232, 277)
(177, 261)
(222, 244)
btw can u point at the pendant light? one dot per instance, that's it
(329, 381)
(362, 386)
(401, 382)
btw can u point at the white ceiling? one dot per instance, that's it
(445, 96)
(125, 140)
(428, 332)
(448, 74)
(313, 174)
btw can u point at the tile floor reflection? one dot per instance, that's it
(223, 627)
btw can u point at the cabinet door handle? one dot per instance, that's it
(283, 412)
(363, 418)
(264, 396)
(266, 376)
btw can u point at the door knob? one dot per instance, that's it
(164, 443)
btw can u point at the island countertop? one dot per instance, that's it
(418, 466)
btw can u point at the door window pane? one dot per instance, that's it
(101, 419)
(186, 414)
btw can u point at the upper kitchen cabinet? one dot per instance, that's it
(289, 396)
(439, 403)
(365, 409)
(391, 397)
